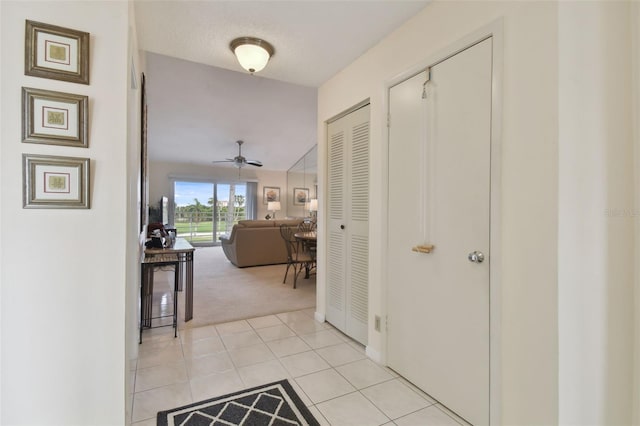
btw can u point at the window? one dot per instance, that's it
(206, 210)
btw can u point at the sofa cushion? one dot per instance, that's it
(288, 222)
(257, 223)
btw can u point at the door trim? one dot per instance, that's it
(348, 111)
(494, 30)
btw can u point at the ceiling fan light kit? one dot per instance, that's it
(252, 53)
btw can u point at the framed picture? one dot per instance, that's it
(57, 53)
(270, 193)
(55, 182)
(54, 118)
(300, 196)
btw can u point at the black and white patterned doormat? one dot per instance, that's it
(275, 404)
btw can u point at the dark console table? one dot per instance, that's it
(180, 256)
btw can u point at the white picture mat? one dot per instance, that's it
(40, 183)
(39, 125)
(42, 38)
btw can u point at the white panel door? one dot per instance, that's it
(439, 181)
(348, 224)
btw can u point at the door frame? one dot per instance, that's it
(494, 30)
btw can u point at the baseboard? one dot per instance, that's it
(373, 354)
(319, 317)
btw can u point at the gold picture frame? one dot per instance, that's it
(56, 53)
(54, 118)
(52, 182)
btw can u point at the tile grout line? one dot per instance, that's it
(315, 350)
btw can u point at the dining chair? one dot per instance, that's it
(307, 226)
(298, 256)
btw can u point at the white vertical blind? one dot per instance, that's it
(251, 209)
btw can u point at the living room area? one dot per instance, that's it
(195, 186)
(225, 293)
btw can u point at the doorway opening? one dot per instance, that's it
(203, 211)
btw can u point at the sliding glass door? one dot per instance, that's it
(230, 207)
(204, 210)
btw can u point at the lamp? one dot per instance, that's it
(313, 205)
(252, 53)
(273, 206)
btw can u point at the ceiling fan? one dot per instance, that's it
(240, 161)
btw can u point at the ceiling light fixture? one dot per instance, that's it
(252, 53)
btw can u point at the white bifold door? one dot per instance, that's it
(348, 224)
(439, 182)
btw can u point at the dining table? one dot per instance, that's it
(307, 236)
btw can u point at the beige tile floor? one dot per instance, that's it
(328, 370)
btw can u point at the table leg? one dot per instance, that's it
(181, 258)
(146, 297)
(176, 282)
(142, 290)
(188, 296)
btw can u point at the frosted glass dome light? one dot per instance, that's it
(252, 53)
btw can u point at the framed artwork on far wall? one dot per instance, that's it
(300, 196)
(51, 182)
(57, 53)
(54, 118)
(270, 193)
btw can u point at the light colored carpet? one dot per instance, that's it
(223, 292)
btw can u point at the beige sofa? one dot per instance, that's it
(256, 242)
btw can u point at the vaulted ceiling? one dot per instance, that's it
(313, 41)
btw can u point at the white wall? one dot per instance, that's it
(64, 271)
(134, 248)
(1, 183)
(529, 181)
(596, 220)
(567, 331)
(162, 176)
(635, 48)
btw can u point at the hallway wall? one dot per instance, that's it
(555, 357)
(64, 272)
(528, 327)
(596, 220)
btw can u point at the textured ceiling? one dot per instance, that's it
(200, 99)
(313, 39)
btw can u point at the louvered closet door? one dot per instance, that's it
(348, 224)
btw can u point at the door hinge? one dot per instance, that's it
(388, 119)
(386, 323)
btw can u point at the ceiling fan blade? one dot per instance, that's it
(239, 161)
